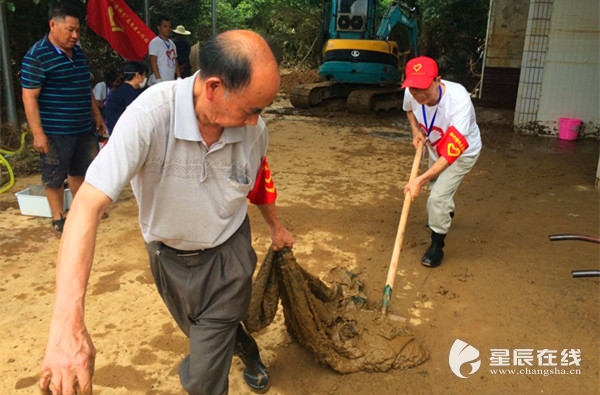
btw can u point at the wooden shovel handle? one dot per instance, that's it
(401, 229)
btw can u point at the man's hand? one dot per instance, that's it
(68, 364)
(414, 188)
(415, 128)
(418, 137)
(40, 143)
(281, 238)
(100, 127)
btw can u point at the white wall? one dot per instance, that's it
(560, 71)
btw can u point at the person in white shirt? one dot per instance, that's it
(194, 152)
(162, 54)
(442, 116)
(103, 88)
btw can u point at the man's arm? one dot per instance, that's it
(98, 118)
(70, 353)
(177, 71)
(414, 186)
(154, 66)
(34, 119)
(415, 129)
(280, 236)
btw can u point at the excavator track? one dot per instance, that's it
(363, 101)
(310, 95)
(360, 100)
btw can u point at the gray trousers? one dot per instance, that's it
(441, 197)
(208, 293)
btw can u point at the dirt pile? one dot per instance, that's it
(289, 79)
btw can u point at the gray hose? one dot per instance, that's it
(585, 273)
(591, 239)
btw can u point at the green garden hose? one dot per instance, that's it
(4, 162)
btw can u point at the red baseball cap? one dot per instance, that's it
(420, 72)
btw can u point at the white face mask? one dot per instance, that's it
(143, 84)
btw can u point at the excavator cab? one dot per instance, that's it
(350, 18)
(351, 53)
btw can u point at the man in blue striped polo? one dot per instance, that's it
(57, 97)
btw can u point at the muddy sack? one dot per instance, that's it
(330, 319)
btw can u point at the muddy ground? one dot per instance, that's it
(503, 286)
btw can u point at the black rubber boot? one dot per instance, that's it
(434, 254)
(255, 373)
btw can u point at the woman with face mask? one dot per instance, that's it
(134, 77)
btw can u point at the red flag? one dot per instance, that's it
(114, 21)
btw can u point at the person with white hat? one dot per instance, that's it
(184, 47)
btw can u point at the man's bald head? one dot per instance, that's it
(232, 56)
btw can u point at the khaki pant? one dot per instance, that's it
(441, 197)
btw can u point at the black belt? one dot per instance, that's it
(182, 252)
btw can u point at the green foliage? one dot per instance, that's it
(11, 5)
(294, 26)
(451, 31)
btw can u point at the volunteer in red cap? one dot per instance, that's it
(442, 116)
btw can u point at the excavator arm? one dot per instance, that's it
(399, 13)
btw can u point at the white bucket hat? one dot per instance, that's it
(181, 30)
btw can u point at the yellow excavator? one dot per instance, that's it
(360, 62)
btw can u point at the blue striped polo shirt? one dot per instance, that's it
(65, 99)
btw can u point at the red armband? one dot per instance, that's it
(452, 145)
(264, 188)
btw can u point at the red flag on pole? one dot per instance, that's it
(114, 21)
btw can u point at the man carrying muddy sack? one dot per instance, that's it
(194, 151)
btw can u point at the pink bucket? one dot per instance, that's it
(568, 128)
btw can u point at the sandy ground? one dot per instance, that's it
(503, 285)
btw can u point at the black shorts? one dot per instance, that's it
(69, 155)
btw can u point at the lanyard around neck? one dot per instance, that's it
(430, 127)
(167, 43)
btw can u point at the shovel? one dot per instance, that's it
(389, 284)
